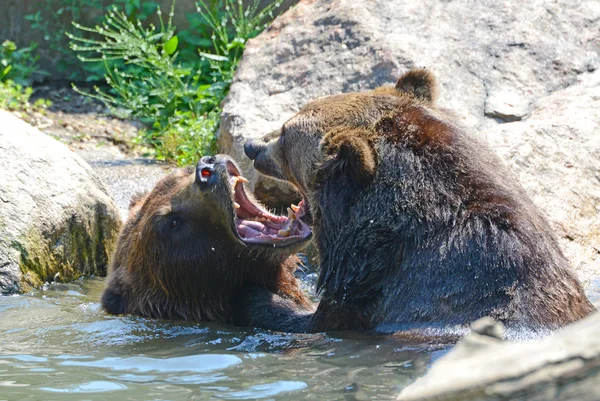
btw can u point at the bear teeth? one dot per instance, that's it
(286, 230)
(291, 214)
(295, 208)
(284, 233)
(236, 205)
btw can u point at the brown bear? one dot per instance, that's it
(194, 240)
(417, 223)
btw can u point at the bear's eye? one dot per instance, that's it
(175, 223)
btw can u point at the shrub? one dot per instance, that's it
(16, 69)
(18, 65)
(178, 98)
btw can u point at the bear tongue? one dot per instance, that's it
(255, 228)
(247, 232)
(257, 224)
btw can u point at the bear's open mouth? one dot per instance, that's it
(255, 225)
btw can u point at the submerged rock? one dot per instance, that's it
(502, 66)
(563, 367)
(57, 221)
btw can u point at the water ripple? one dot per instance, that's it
(192, 363)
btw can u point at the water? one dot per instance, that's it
(57, 344)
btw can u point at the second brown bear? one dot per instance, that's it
(194, 241)
(417, 223)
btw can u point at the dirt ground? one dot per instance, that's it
(82, 122)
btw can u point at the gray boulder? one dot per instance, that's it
(556, 155)
(502, 67)
(57, 220)
(563, 367)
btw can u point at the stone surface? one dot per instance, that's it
(123, 175)
(563, 367)
(506, 106)
(502, 67)
(556, 155)
(57, 220)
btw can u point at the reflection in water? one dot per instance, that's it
(191, 363)
(263, 390)
(57, 344)
(91, 387)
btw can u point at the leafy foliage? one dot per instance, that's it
(18, 65)
(16, 69)
(179, 97)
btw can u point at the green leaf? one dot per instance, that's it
(6, 71)
(171, 45)
(214, 57)
(9, 46)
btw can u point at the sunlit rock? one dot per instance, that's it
(57, 221)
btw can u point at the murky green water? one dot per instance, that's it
(57, 344)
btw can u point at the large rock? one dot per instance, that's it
(556, 155)
(498, 64)
(563, 367)
(56, 218)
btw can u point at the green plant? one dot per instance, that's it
(16, 69)
(16, 64)
(230, 33)
(15, 97)
(178, 97)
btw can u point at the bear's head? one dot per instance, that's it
(333, 136)
(193, 239)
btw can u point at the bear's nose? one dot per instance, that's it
(207, 160)
(250, 150)
(205, 169)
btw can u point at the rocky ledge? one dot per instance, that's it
(563, 367)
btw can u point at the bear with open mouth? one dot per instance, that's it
(417, 223)
(194, 240)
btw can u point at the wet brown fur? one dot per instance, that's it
(193, 273)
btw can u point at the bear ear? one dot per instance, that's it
(137, 198)
(419, 83)
(348, 152)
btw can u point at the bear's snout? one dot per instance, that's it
(250, 149)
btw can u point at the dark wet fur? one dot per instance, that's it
(417, 222)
